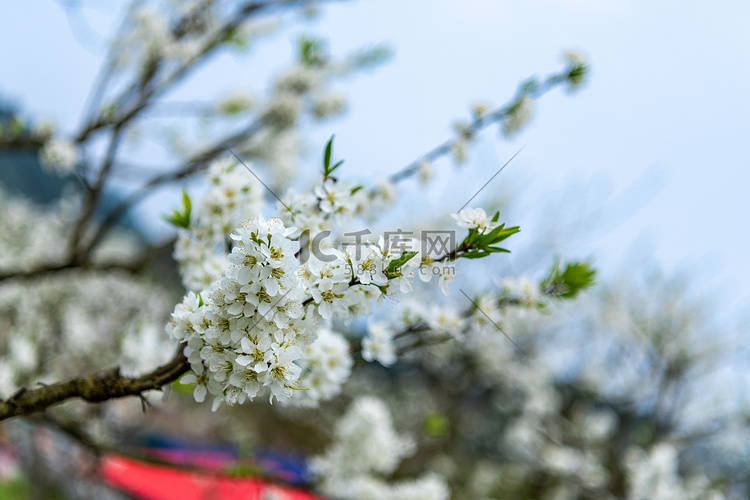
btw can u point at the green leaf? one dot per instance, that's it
(578, 276)
(372, 56)
(236, 38)
(476, 254)
(577, 74)
(436, 425)
(394, 268)
(181, 218)
(495, 249)
(312, 51)
(176, 219)
(327, 154)
(470, 238)
(186, 201)
(497, 235)
(108, 110)
(17, 127)
(337, 165)
(568, 282)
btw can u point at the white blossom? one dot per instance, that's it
(378, 344)
(519, 116)
(58, 156)
(425, 171)
(474, 218)
(327, 364)
(236, 102)
(365, 447)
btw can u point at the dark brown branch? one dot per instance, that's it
(35, 272)
(47, 269)
(94, 194)
(20, 143)
(95, 388)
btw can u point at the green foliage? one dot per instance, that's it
(20, 487)
(237, 39)
(394, 268)
(327, 167)
(233, 107)
(577, 74)
(577, 70)
(312, 51)
(478, 245)
(247, 469)
(436, 425)
(108, 111)
(17, 127)
(567, 282)
(372, 56)
(186, 389)
(181, 218)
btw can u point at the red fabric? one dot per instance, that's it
(157, 482)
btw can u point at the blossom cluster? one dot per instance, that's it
(326, 365)
(654, 474)
(365, 450)
(259, 299)
(334, 203)
(151, 39)
(254, 329)
(58, 156)
(246, 330)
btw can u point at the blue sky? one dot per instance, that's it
(657, 144)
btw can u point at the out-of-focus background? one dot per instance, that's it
(644, 171)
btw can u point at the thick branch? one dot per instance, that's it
(95, 388)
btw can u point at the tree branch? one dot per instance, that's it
(145, 98)
(481, 122)
(135, 266)
(94, 194)
(192, 166)
(95, 388)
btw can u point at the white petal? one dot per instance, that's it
(199, 393)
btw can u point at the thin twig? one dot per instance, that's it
(481, 122)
